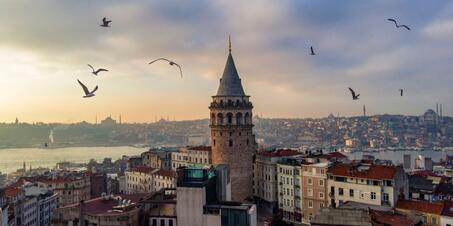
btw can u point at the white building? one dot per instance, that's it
(139, 180)
(164, 179)
(30, 212)
(200, 156)
(266, 179)
(289, 189)
(366, 183)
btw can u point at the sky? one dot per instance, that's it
(45, 47)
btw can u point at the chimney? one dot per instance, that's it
(441, 112)
(437, 108)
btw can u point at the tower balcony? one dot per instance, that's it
(231, 105)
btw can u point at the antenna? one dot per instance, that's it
(229, 43)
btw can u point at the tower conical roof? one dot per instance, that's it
(230, 83)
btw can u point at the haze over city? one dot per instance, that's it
(45, 46)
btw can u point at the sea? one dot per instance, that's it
(13, 158)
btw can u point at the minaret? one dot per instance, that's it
(232, 138)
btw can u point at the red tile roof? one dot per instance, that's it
(448, 208)
(280, 153)
(378, 172)
(166, 173)
(143, 169)
(12, 191)
(200, 148)
(333, 155)
(421, 206)
(390, 219)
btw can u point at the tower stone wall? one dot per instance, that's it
(232, 138)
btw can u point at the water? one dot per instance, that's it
(397, 156)
(12, 159)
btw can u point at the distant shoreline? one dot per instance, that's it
(71, 146)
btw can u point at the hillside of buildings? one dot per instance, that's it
(381, 131)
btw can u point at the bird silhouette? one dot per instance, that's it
(86, 91)
(354, 96)
(401, 92)
(398, 26)
(312, 51)
(172, 63)
(95, 72)
(105, 22)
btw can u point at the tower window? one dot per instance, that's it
(231, 143)
(230, 118)
(213, 142)
(221, 133)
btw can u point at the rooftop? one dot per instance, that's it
(230, 83)
(280, 153)
(350, 217)
(200, 148)
(372, 171)
(388, 218)
(143, 169)
(109, 206)
(166, 173)
(421, 206)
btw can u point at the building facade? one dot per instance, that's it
(290, 189)
(139, 180)
(367, 183)
(265, 184)
(164, 179)
(232, 138)
(191, 156)
(314, 189)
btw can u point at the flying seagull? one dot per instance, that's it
(172, 63)
(354, 96)
(401, 92)
(87, 92)
(398, 26)
(312, 51)
(105, 22)
(95, 72)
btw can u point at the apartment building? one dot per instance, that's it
(191, 156)
(266, 179)
(366, 182)
(289, 188)
(139, 180)
(314, 188)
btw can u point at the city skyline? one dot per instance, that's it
(42, 55)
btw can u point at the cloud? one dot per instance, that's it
(51, 42)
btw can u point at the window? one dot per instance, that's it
(321, 205)
(351, 192)
(162, 222)
(310, 204)
(434, 221)
(373, 195)
(321, 182)
(170, 222)
(322, 171)
(213, 142)
(154, 222)
(385, 197)
(310, 192)
(340, 191)
(231, 143)
(310, 182)
(321, 195)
